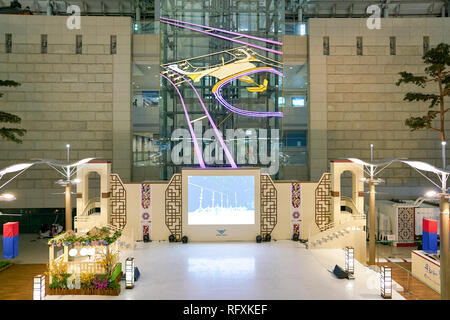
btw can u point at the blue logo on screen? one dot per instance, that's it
(221, 232)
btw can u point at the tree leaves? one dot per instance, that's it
(415, 96)
(437, 59)
(10, 134)
(407, 77)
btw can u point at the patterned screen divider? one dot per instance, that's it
(268, 200)
(173, 206)
(118, 202)
(405, 225)
(323, 216)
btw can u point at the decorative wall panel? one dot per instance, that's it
(405, 226)
(295, 209)
(118, 216)
(173, 206)
(145, 212)
(268, 200)
(323, 216)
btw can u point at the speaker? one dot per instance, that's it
(267, 237)
(184, 239)
(339, 272)
(171, 238)
(136, 274)
(258, 239)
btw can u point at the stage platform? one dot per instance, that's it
(243, 270)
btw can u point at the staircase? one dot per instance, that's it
(90, 216)
(335, 232)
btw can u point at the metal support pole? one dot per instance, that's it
(371, 223)
(68, 208)
(444, 250)
(443, 143)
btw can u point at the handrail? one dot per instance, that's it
(91, 205)
(353, 207)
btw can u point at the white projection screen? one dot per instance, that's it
(231, 214)
(221, 200)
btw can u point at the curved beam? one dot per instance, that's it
(259, 114)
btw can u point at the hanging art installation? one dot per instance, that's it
(236, 64)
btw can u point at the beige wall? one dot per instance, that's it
(83, 99)
(283, 229)
(355, 97)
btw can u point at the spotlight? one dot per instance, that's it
(184, 239)
(258, 239)
(171, 238)
(431, 194)
(7, 197)
(267, 238)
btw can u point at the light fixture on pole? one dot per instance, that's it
(443, 196)
(7, 197)
(67, 170)
(39, 287)
(129, 273)
(386, 282)
(372, 168)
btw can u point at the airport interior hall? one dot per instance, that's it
(223, 150)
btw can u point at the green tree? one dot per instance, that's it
(10, 134)
(437, 61)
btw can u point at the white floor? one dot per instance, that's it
(275, 270)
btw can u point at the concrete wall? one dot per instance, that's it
(354, 100)
(80, 99)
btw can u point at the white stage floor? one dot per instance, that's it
(242, 270)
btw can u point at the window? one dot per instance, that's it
(298, 102)
(359, 46)
(113, 45)
(326, 46)
(43, 43)
(79, 44)
(426, 44)
(281, 101)
(8, 42)
(392, 46)
(294, 138)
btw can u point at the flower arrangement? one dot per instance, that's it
(95, 236)
(57, 270)
(100, 283)
(109, 260)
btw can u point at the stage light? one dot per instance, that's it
(258, 239)
(129, 273)
(7, 197)
(431, 194)
(386, 282)
(39, 287)
(349, 260)
(184, 239)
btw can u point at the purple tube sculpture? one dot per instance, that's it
(194, 139)
(217, 132)
(248, 113)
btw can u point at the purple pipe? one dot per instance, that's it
(218, 135)
(258, 114)
(194, 139)
(225, 31)
(223, 37)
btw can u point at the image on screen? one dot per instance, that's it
(221, 200)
